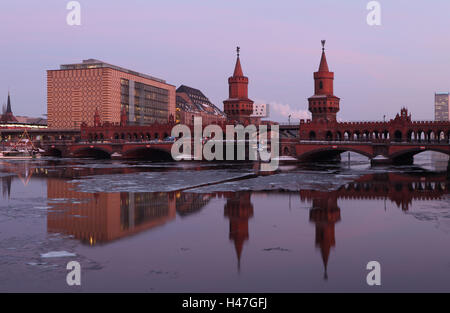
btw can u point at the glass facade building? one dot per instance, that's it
(441, 106)
(143, 103)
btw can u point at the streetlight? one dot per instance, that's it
(289, 119)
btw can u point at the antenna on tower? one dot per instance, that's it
(323, 45)
(238, 50)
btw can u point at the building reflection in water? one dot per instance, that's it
(102, 217)
(325, 213)
(6, 186)
(238, 209)
(20, 170)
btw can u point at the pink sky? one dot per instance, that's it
(377, 69)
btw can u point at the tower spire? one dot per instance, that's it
(323, 67)
(238, 69)
(8, 105)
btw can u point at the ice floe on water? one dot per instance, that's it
(57, 254)
(437, 212)
(155, 181)
(292, 181)
(320, 177)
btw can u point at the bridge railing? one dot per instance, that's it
(125, 141)
(375, 141)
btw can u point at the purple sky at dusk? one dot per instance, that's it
(378, 69)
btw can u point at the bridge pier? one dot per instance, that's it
(448, 168)
(380, 161)
(407, 160)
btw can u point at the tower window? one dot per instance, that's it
(320, 85)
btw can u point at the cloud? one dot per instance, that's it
(281, 111)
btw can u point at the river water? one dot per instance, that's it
(206, 227)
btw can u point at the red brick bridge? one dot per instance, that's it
(322, 137)
(395, 141)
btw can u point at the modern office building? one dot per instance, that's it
(441, 106)
(76, 92)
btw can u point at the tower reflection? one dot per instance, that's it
(325, 213)
(99, 218)
(400, 189)
(239, 209)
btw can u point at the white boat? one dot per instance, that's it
(19, 155)
(22, 150)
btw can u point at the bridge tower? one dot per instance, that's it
(323, 105)
(238, 107)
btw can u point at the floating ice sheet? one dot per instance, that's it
(156, 181)
(291, 181)
(57, 254)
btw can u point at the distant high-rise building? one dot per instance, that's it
(441, 106)
(76, 92)
(260, 110)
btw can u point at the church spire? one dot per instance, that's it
(8, 105)
(8, 116)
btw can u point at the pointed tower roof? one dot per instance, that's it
(8, 105)
(238, 69)
(323, 67)
(8, 115)
(238, 245)
(325, 251)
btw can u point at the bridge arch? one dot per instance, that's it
(407, 155)
(322, 154)
(54, 152)
(92, 152)
(146, 153)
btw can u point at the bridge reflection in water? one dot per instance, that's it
(99, 218)
(397, 188)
